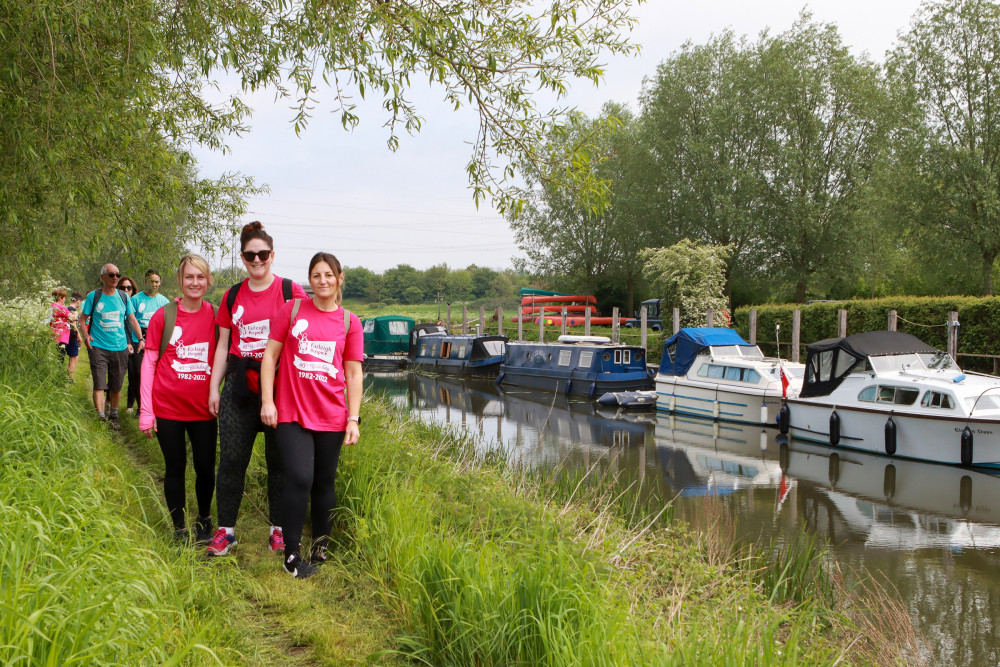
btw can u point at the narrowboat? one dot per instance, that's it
(576, 365)
(458, 354)
(888, 392)
(387, 341)
(714, 373)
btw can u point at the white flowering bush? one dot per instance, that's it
(27, 316)
(690, 276)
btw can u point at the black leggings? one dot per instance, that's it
(238, 427)
(134, 364)
(310, 459)
(170, 434)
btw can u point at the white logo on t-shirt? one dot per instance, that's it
(322, 349)
(198, 351)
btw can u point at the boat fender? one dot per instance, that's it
(889, 482)
(569, 383)
(834, 428)
(834, 471)
(967, 446)
(715, 431)
(959, 378)
(716, 408)
(890, 436)
(763, 412)
(499, 378)
(672, 403)
(783, 418)
(783, 456)
(965, 494)
(592, 390)
(763, 440)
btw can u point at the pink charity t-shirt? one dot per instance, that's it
(182, 376)
(310, 386)
(252, 312)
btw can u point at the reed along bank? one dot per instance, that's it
(442, 556)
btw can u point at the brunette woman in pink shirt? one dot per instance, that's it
(174, 393)
(321, 347)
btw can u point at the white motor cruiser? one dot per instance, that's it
(714, 373)
(889, 392)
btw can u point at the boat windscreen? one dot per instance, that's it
(940, 360)
(896, 362)
(494, 348)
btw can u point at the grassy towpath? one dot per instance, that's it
(443, 557)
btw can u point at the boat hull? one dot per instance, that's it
(384, 362)
(936, 438)
(711, 400)
(565, 382)
(485, 368)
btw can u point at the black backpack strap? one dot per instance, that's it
(231, 297)
(169, 320)
(286, 289)
(295, 311)
(124, 297)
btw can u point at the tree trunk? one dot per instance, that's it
(989, 258)
(800, 291)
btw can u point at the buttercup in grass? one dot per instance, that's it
(314, 403)
(175, 375)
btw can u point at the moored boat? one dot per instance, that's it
(714, 373)
(387, 341)
(890, 393)
(580, 365)
(458, 354)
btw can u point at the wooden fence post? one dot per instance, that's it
(615, 334)
(586, 322)
(448, 315)
(642, 323)
(796, 332)
(953, 334)
(520, 324)
(710, 318)
(541, 326)
(677, 320)
(465, 319)
(893, 317)
(563, 328)
(753, 326)
(499, 321)
(482, 321)
(841, 323)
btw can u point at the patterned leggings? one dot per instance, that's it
(238, 428)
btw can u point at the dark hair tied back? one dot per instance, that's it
(255, 230)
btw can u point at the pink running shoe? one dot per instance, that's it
(221, 543)
(277, 540)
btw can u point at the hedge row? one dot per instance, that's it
(924, 317)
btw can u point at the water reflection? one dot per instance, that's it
(933, 531)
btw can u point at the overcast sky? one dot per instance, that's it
(346, 193)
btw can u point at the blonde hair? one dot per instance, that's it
(198, 262)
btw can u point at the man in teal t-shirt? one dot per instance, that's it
(105, 312)
(146, 303)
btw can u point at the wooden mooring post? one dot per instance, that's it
(465, 319)
(796, 333)
(642, 324)
(562, 329)
(677, 320)
(615, 324)
(953, 334)
(710, 318)
(586, 322)
(499, 321)
(541, 326)
(482, 321)
(753, 326)
(447, 314)
(841, 323)
(520, 324)
(893, 317)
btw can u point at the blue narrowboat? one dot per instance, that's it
(581, 365)
(458, 354)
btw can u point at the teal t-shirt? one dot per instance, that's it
(146, 305)
(107, 326)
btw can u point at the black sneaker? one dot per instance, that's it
(181, 535)
(113, 423)
(203, 530)
(296, 566)
(319, 555)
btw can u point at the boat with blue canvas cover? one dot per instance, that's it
(712, 372)
(576, 365)
(458, 354)
(387, 341)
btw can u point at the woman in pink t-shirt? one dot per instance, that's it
(318, 389)
(60, 319)
(174, 394)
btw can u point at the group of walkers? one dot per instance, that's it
(271, 360)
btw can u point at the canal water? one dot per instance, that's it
(933, 531)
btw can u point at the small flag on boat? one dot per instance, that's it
(784, 382)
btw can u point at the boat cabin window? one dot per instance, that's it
(565, 356)
(423, 350)
(868, 394)
(895, 395)
(461, 351)
(984, 402)
(747, 351)
(935, 399)
(434, 350)
(395, 328)
(669, 351)
(586, 359)
(735, 373)
(370, 327)
(445, 350)
(623, 356)
(494, 348)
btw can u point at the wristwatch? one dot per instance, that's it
(355, 419)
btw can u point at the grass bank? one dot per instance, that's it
(442, 557)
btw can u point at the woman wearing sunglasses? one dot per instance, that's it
(244, 327)
(314, 403)
(134, 364)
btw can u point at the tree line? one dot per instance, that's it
(405, 284)
(823, 173)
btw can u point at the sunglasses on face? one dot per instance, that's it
(248, 255)
(112, 274)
